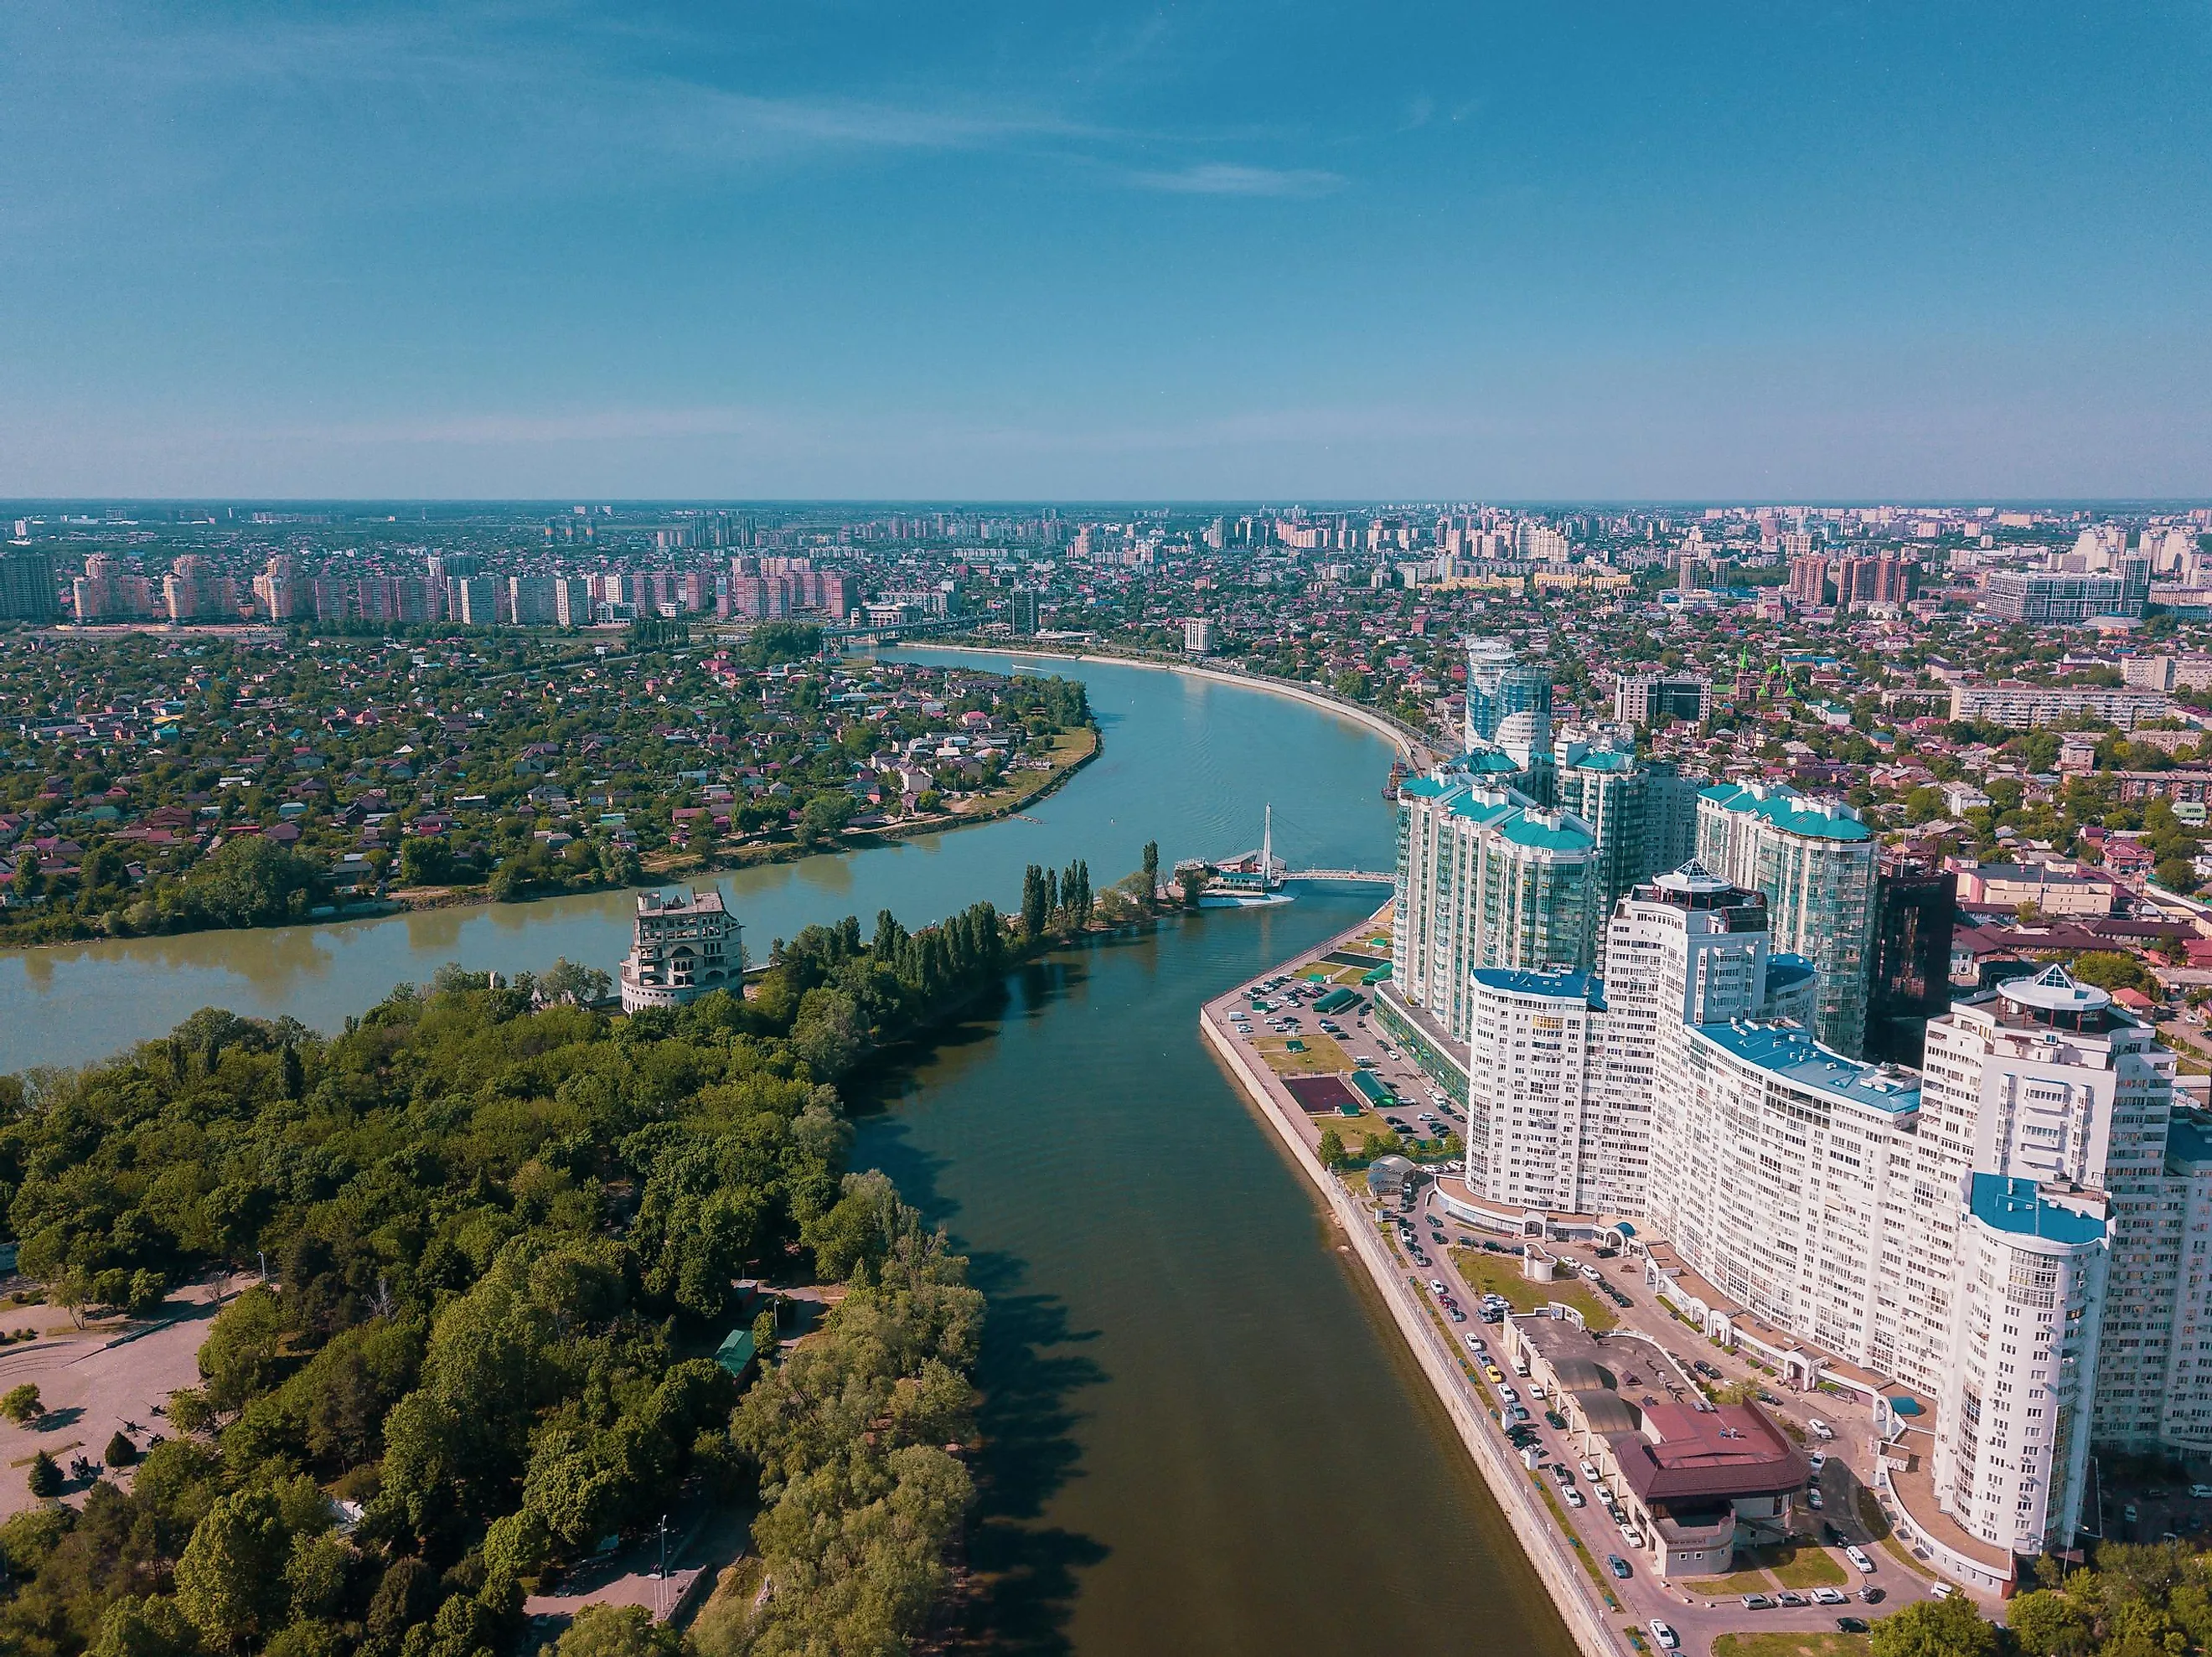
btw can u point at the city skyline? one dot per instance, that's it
(473, 251)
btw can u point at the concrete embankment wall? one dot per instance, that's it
(1563, 1575)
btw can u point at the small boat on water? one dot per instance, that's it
(1249, 881)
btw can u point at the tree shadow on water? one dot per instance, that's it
(1027, 1572)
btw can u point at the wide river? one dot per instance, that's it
(1203, 1434)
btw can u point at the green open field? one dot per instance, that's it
(1322, 1057)
(1793, 1645)
(1783, 1566)
(1500, 1274)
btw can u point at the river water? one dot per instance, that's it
(1203, 1434)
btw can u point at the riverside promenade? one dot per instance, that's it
(1572, 1589)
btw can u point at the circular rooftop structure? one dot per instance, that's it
(2054, 991)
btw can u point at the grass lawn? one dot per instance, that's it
(1804, 1568)
(1793, 1645)
(1068, 748)
(1500, 1274)
(1877, 1524)
(1322, 1057)
(1785, 1565)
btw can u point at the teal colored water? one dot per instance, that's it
(1202, 1434)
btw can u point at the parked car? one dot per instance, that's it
(1850, 1625)
(1858, 1557)
(1829, 1597)
(1667, 1638)
(1757, 1602)
(1873, 1596)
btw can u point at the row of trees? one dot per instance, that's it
(1062, 899)
(503, 1230)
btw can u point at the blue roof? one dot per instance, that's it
(2013, 1205)
(1425, 787)
(1783, 971)
(1786, 1051)
(1564, 986)
(1788, 809)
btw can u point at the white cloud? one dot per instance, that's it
(1230, 179)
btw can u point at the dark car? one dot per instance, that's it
(1850, 1625)
(1557, 1422)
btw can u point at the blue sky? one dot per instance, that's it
(1100, 250)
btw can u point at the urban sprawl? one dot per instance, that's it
(1799, 900)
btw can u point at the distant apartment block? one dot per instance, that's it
(2027, 706)
(2037, 596)
(1657, 699)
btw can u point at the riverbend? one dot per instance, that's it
(1201, 1431)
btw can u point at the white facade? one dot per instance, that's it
(1533, 1133)
(2013, 1429)
(1776, 1166)
(2046, 1079)
(681, 948)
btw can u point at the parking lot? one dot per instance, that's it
(1815, 1589)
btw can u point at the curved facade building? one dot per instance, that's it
(1815, 862)
(2011, 1437)
(1485, 878)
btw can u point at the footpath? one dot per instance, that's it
(1571, 1588)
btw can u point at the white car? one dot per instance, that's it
(1668, 1639)
(1589, 1469)
(1816, 1461)
(1508, 1394)
(1437, 1286)
(1830, 1597)
(1858, 1557)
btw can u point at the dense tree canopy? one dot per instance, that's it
(504, 1233)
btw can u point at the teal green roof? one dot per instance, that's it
(1568, 836)
(1605, 759)
(1492, 760)
(1480, 810)
(1787, 810)
(735, 1354)
(1422, 787)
